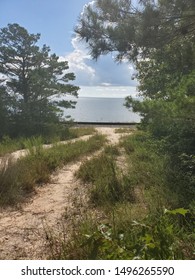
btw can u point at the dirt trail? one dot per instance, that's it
(22, 153)
(22, 231)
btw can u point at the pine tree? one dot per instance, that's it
(34, 81)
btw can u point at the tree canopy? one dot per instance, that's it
(32, 81)
(130, 31)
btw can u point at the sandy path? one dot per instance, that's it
(22, 232)
(22, 153)
(112, 137)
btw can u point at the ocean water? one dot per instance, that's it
(101, 109)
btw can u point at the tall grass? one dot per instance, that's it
(17, 179)
(125, 130)
(8, 145)
(76, 132)
(108, 184)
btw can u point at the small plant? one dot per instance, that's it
(34, 145)
(112, 150)
(76, 132)
(141, 240)
(125, 129)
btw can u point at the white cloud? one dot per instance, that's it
(91, 4)
(104, 72)
(77, 61)
(106, 84)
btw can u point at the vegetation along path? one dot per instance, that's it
(23, 231)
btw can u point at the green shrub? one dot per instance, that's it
(157, 239)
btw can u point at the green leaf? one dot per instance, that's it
(180, 211)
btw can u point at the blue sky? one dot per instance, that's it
(55, 20)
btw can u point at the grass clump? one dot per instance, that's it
(17, 179)
(125, 129)
(76, 132)
(101, 172)
(111, 150)
(146, 166)
(8, 145)
(108, 184)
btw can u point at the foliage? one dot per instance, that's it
(171, 120)
(148, 240)
(161, 238)
(131, 31)
(32, 80)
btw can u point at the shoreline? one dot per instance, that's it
(106, 124)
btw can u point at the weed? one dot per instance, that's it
(140, 240)
(112, 150)
(125, 130)
(81, 131)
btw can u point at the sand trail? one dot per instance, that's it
(23, 231)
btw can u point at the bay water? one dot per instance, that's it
(103, 104)
(102, 109)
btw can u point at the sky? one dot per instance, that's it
(55, 21)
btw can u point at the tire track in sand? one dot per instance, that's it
(22, 231)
